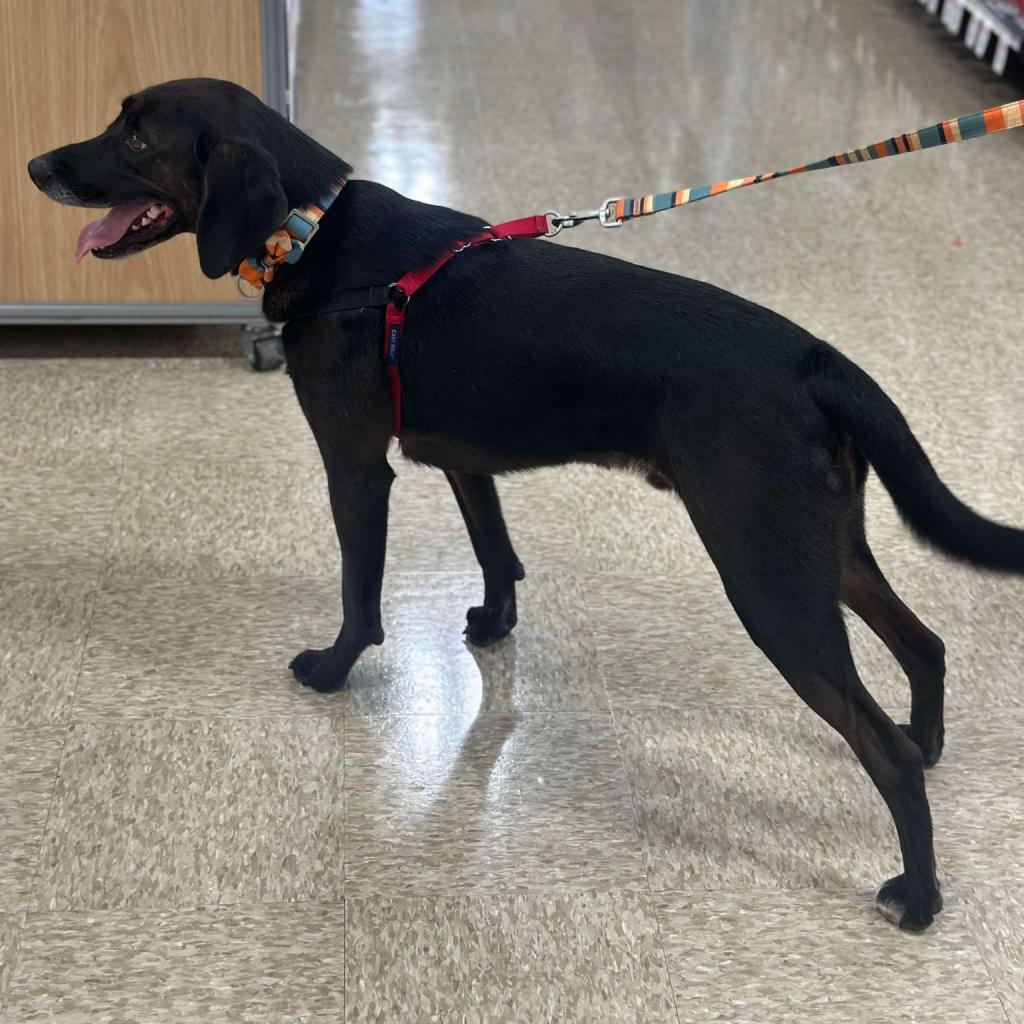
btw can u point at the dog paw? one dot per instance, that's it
(486, 626)
(893, 902)
(326, 677)
(302, 665)
(930, 752)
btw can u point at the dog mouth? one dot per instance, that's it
(125, 230)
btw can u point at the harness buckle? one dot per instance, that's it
(560, 221)
(397, 297)
(305, 233)
(555, 222)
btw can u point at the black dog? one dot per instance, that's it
(523, 354)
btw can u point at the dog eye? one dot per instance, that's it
(134, 142)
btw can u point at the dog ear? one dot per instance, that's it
(242, 204)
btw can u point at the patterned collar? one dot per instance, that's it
(287, 243)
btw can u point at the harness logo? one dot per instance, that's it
(394, 333)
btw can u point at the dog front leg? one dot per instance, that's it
(359, 502)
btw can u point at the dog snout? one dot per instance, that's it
(40, 170)
(57, 176)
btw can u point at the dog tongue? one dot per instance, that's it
(107, 230)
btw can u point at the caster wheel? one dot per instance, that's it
(263, 348)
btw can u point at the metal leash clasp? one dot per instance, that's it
(604, 215)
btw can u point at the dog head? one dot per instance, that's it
(197, 155)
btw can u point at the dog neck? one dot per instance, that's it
(370, 236)
(287, 244)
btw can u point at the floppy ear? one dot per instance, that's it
(243, 203)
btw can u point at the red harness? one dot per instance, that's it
(407, 286)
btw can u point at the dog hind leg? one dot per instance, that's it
(921, 654)
(772, 519)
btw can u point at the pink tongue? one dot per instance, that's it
(100, 233)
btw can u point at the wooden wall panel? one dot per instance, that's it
(65, 66)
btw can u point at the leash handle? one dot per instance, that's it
(614, 212)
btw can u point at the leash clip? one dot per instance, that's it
(559, 221)
(606, 213)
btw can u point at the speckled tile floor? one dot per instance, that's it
(620, 813)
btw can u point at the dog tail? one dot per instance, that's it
(852, 400)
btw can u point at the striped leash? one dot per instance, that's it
(614, 212)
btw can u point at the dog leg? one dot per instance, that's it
(921, 654)
(818, 665)
(359, 501)
(478, 501)
(773, 525)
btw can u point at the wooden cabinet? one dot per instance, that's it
(65, 66)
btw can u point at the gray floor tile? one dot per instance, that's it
(57, 516)
(730, 799)
(975, 792)
(10, 937)
(43, 625)
(426, 666)
(28, 772)
(60, 409)
(823, 956)
(280, 963)
(223, 517)
(188, 411)
(194, 648)
(439, 805)
(177, 814)
(995, 915)
(578, 959)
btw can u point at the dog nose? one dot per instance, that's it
(40, 171)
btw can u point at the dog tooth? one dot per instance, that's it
(145, 220)
(153, 212)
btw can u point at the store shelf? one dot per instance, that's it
(990, 29)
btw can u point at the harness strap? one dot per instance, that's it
(407, 286)
(367, 296)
